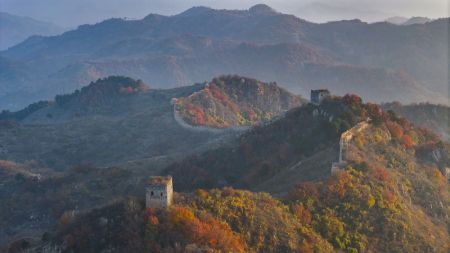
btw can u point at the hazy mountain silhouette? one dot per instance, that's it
(15, 29)
(416, 20)
(380, 61)
(396, 20)
(408, 21)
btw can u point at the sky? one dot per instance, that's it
(71, 13)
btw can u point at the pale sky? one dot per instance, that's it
(71, 13)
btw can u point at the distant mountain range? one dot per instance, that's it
(15, 29)
(408, 21)
(380, 61)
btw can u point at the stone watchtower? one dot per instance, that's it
(317, 96)
(159, 192)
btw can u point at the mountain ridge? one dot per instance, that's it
(408, 21)
(15, 29)
(113, 46)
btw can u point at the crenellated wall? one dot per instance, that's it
(344, 142)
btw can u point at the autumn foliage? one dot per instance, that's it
(380, 174)
(375, 203)
(180, 223)
(340, 183)
(230, 101)
(303, 214)
(407, 141)
(395, 129)
(352, 100)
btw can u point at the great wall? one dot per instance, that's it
(188, 126)
(344, 143)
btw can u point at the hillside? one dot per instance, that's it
(430, 116)
(103, 94)
(390, 196)
(296, 148)
(231, 101)
(64, 154)
(380, 61)
(94, 126)
(15, 29)
(99, 143)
